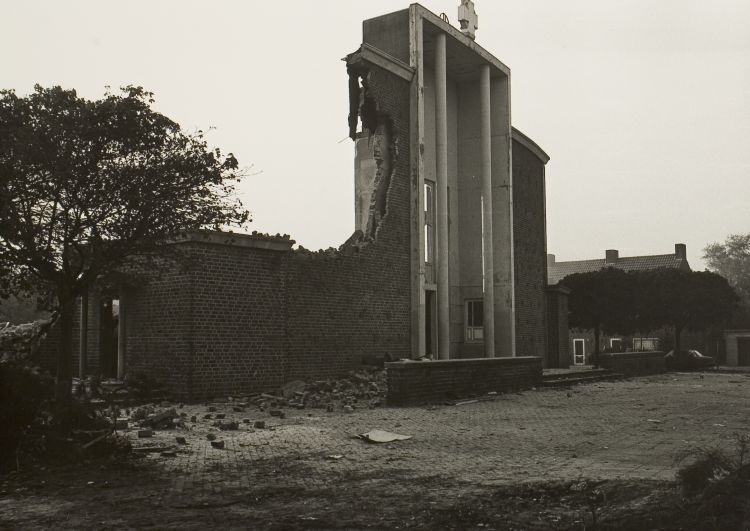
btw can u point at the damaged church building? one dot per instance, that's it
(447, 259)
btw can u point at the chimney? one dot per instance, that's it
(611, 256)
(680, 251)
(550, 260)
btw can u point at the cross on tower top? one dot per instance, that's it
(468, 19)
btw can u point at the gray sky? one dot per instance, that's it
(643, 106)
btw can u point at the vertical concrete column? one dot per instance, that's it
(83, 335)
(441, 244)
(487, 248)
(121, 336)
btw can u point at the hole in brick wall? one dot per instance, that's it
(372, 131)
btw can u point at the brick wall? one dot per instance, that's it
(633, 363)
(530, 253)
(158, 326)
(414, 383)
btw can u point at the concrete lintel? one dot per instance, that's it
(529, 144)
(378, 57)
(456, 34)
(236, 240)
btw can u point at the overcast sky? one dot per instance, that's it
(642, 105)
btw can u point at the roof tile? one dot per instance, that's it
(559, 270)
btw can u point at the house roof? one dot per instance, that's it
(559, 270)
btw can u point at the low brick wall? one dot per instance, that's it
(633, 363)
(420, 382)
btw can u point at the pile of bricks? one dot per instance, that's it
(359, 389)
(18, 343)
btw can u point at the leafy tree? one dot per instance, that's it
(614, 301)
(601, 301)
(731, 260)
(86, 185)
(683, 300)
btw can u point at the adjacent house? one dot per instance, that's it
(581, 342)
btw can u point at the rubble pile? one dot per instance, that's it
(19, 342)
(359, 389)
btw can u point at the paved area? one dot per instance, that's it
(629, 429)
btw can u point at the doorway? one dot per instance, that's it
(108, 330)
(743, 351)
(579, 352)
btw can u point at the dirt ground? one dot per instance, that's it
(600, 456)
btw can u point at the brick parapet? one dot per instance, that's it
(633, 363)
(414, 382)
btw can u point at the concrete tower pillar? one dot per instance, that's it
(441, 244)
(487, 248)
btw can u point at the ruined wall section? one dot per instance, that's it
(355, 302)
(529, 235)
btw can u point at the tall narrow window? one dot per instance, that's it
(474, 320)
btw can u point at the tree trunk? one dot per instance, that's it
(596, 347)
(677, 334)
(64, 380)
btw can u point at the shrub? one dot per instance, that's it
(24, 393)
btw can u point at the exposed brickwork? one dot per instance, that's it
(529, 238)
(633, 363)
(413, 383)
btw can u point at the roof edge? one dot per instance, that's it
(529, 144)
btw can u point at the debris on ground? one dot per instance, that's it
(163, 419)
(227, 425)
(20, 342)
(382, 436)
(359, 389)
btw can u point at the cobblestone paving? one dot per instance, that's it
(628, 429)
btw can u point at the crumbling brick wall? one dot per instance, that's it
(529, 237)
(247, 318)
(356, 302)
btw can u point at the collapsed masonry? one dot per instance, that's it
(376, 149)
(248, 312)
